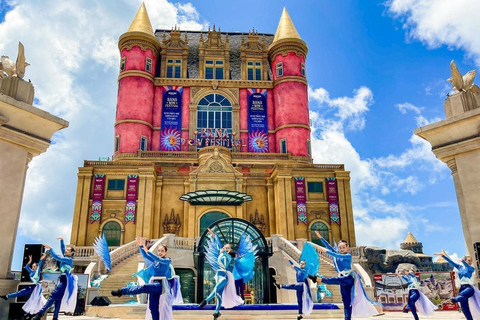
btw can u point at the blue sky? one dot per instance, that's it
(376, 71)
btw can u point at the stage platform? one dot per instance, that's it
(191, 311)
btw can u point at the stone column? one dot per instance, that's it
(461, 204)
(25, 132)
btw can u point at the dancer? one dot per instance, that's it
(417, 301)
(221, 262)
(355, 301)
(469, 295)
(163, 289)
(36, 300)
(308, 257)
(65, 293)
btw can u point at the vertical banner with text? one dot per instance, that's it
(301, 199)
(97, 198)
(332, 196)
(132, 183)
(171, 124)
(257, 120)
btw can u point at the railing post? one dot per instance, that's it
(170, 239)
(275, 241)
(301, 243)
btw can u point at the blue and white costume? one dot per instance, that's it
(469, 295)
(355, 301)
(304, 296)
(36, 300)
(163, 288)
(65, 293)
(417, 301)
(221, 263)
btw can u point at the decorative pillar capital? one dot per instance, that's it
(452, 164)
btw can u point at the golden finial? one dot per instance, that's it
(141, 22)
(286, 29)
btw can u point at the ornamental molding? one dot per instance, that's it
(283, 79)
(133, 121)
(242, 84)
(136, 73)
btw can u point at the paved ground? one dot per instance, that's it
(442, 315)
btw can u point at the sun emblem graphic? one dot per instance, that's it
(170, 139)
(258, 141)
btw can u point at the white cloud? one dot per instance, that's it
(372, 179)
(441, 22)
(404, 107)
(72, 49)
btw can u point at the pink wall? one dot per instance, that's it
(185, 116)
(135, 101)
(130, 134)
(291, 103)
(157, 114)
(271, 122)
(136, 59)
(296, 140)
(291, 65)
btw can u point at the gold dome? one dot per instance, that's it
(410, 238)
(286, 29)
(141, 22)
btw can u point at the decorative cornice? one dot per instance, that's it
(288, 45)
(290, 79)
(145, 41)
(292, 125)
(133, 121)
(136, 73)
(452, 164)
(241, 84)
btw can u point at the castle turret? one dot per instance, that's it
(287, 55)
(139, 50)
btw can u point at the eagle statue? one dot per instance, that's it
(8, 68)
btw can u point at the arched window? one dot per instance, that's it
(113, 233)
(207, 219)
(323, 229)
(214, 120)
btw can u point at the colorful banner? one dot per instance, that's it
(132, 183)
(301, 200)
(332, 196)
(392, 291)
(257, 120)
(171, 125)
(98, 187)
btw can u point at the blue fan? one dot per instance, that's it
(100, 246)
(245, 263)
(310, 255)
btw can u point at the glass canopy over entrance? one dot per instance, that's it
(216, 197)
(230, 230)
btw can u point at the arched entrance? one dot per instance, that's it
(322, 228)
(230, 230)
(113, 233)
(209, 218)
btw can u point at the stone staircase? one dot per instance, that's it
(119, 277)
(138, 312)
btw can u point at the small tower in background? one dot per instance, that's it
(287, 55)
(139, 51)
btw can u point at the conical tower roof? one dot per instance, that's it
(141, 22)
(287, 35)
(410, 238)
(285, 29)
(140, 29)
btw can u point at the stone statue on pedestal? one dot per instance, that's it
(8, 68)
